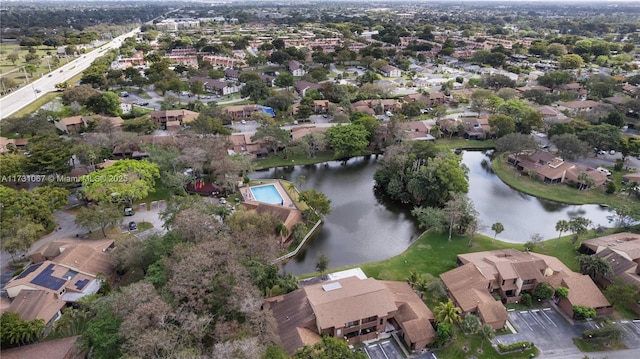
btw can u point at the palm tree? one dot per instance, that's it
(447, 312)
(583, 178)
(282, 230)
(562, 226)
(301, 181)
(487, 332)
(497, 228)
(593, 265)
(412, 278)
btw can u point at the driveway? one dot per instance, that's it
(547, 329)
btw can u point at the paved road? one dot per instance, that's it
(20, 98)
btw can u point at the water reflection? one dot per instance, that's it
(365, 226)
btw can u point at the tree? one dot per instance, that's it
(497, 228)
(106, 103)
(124, 181)
(141, 126)
(594, 266)
(274, 135)
(487, 332)
(13, 57)
(570, 146)
(621, 293)
(329, 348)
(443, 334)
(579, 226)
(602, 136)
(322, 264)
(14, 331)
(514, 143)
(471, 324)
(581, 312)
(348, 140)
(255, 91)
(430, 218)
(533, 242)
(49, 155)
(543, 291)
(316, 200)
(459, 212)
(103, 215)
(447, 312)
(562, 292)
(284, 79)
(502, 125)
(562, 226)
(554, 78)
(571, 61)
(205, 124)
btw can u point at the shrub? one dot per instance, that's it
(562, 292)
(618, 165)
(443, 334)
(607, 331)
(581, 312)
(503, 348)
(543, 291)
(526, 299)
(611, 187)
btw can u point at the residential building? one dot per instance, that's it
(354, 308)
(241, 112)
(172, 119)
(216, 86)
(506, 274)
(622, 252)
(71, 124)
(11, 144)
(575, 106)
(64, 348)
(242, 143)
(303, 86)
(378, 105)
(390, 71)
(429, 100)
(296, 69)
(551, 169)
(62, 272)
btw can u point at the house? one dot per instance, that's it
(10, 144)
(507, 274)
(575, 106)
(622, 252)
(299, 132)
(295, 68)
(241, 112)
(321, 106)
(71, 124)
(173, 118)
(231, 74)
(355, 308)
(378, 105)
(551, 115)
(535, 87)
(390, 71)
(64, 348)
(417, 130)
(288, 215)
(62, 272)
(429, 100)
(303, 86)
(551, 169)
(216, 86)
(242, 143)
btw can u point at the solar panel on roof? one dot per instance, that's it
(45, 279)
(30, 269)
(81, 283)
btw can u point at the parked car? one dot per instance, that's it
(133, 226)
(222, 201)
(612, 152)
(604, 170)
(128, 211)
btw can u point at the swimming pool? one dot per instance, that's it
(267, 194)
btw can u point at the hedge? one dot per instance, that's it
(502, 348)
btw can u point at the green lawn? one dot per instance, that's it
(598, 345)
(462, 144)
(468, 346)
(35, 105)
(557, 192)
(278, 161)
(18, 76)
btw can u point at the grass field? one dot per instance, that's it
(15, 72)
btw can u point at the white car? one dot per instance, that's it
(604, 170)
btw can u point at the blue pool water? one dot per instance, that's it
(266, 194)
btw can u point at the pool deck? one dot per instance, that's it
(248, 196)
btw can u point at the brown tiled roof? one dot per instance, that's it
(85, 259)
(36, 304)
(356, 299)
(461, 283)
(492, 311)
(574, 172)
(413, 315)
(579, 104)
(582, 291)
(292, 311)
(51, 349)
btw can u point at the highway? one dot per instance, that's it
(20, 98)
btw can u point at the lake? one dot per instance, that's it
(364, 226)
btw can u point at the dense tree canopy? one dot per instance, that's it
(416, 172)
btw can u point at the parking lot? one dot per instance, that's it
(546, 328)
(632, 331)
(383, 350)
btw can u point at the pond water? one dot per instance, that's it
(364, 226)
